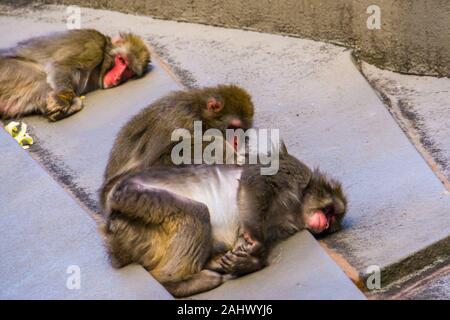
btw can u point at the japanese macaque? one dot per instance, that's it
(146, 140)
(194, 227)
(47, 75)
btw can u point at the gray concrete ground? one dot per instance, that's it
(75, 152)
(422, 106)
(328, 115)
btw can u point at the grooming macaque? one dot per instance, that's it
(47, 75)
(145, 140)
(194, 227)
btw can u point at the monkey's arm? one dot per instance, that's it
(254, 199)
(266, 204)
(64, 75)
(60, 69)
(62, 101)
(155, 206)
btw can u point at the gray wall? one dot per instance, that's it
(414, 37)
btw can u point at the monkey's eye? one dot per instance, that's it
(329, 210)
(120, 60)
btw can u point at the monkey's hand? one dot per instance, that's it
(240, 261)
(62, 104)
(250, 245)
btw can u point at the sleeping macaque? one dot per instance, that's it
(194, 227)
(48, 74)
(145, 140)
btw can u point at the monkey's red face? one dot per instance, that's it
(321, 219)
(323, 215)
(119, 73)
(324, 205)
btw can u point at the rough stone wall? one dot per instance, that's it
(414, 35)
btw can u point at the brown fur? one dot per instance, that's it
(47, 74)
(145, 140)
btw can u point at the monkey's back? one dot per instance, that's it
(63, 47)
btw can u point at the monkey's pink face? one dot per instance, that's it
(119, 73)
(321, 220)
(325, 220)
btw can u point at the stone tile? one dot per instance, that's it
(45, 232)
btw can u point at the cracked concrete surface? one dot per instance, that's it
(437, 289)
(422, 104)
(433, 283)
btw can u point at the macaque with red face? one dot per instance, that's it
(48, 74)
(145, 141)
(195, 226)
(119, 73)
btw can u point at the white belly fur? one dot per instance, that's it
(219, 194)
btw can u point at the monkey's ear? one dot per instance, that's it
(282, 146)
(117, 40)
(214, 105)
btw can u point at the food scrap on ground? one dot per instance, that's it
(19, 132)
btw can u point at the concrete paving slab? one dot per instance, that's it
(299, 269)
(47, 239)
(436, 289)
(76, 150)
(421, 105)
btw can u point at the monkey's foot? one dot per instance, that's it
(59, 107)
